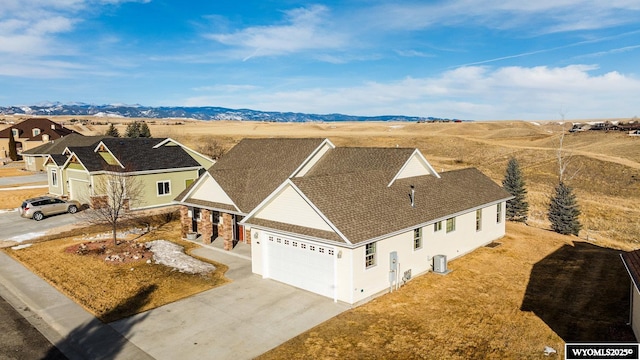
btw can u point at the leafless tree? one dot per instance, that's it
(211, 148)
(113, 194)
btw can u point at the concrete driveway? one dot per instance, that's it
(16, 228)
(240, 320)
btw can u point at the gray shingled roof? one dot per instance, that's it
(254, 168)
(136, 154)
(357, 159)
(57, 146)
(362, 207)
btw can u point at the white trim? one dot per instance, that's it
(95, 150)
(406, 163)
(279, 189)
(163, 142)
(54, 177)
(144, 172)
(196, 185)
(301, 236)
(316, 151)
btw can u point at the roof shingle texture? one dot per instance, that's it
(57, 146)
(632, 261)
(254, 168)
(362, 207)
(45, 125)
(135, 154)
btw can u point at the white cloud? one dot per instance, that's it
(471, 92)
(304, 29)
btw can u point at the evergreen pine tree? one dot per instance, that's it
(133, 130)
(513, 183)
(112, 131)
(564, 211)
(13, 151)
(144, 130)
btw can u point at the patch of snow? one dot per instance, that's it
(20, 246)
(396, 126)
(535, 123)
(27, 236)
(172, 255)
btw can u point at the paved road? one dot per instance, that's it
(16, 228)
(27, 179)
(19, 339)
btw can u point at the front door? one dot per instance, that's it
(195, 216)
(238, 230)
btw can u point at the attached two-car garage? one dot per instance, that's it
(301, 264)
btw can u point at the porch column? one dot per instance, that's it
(206, 227)
(185, 221)
(226, 230)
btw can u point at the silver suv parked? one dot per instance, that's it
(39, 207)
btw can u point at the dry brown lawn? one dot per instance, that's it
(113, 291)
(536, 289)
(11, 199)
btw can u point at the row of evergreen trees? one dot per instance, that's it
(134, 130)
(563, 208)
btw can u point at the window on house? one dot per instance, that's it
(451, 224)
(437, 226)
(164, 188)
(417, 238)
(35, 132)
(499, 213)
(14, 132)
(54, 177)
(370, 255)
(478, 219)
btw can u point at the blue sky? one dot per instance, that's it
(469, 59)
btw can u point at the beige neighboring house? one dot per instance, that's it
(161, 167)
(35, 158)
(345, 223)
(631, 261)
(31, 133)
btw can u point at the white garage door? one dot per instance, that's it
(301, 264)
(79, 190)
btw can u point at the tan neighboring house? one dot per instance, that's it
(631, 261)
(161, 167)
(31, 133)
(346, 223)
(35, 158)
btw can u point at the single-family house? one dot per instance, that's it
(350, 223)
(30, 133)
(160, 168)
(631, 261)
(34, 158)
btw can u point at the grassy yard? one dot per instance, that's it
(536, 289)
(113, 291)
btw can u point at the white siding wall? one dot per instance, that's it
(289, 207)
(326, 147)
(256, 251)
(465, 238)
(210, 190)
(635, 311)
(415, 166)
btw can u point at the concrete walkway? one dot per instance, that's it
(239, 320)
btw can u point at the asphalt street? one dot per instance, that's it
(27, 179)
(19, 339)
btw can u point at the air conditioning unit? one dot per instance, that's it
(440, 264)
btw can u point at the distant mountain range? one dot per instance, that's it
(197, 113)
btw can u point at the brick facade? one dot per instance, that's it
(205, 227)
(226, 230)
(185, 221)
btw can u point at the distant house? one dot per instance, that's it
(346, 223)
(162, 167)
(631, 261)
(34, 158)
(634, 133)
(31, 133)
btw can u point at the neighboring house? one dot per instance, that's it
(34, 158)
(31, 133)
(348, 223)
(631, 261)
(161, 167)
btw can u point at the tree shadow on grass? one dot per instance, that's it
(582, 293)
(97, 340)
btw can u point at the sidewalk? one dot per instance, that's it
(74, 331)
